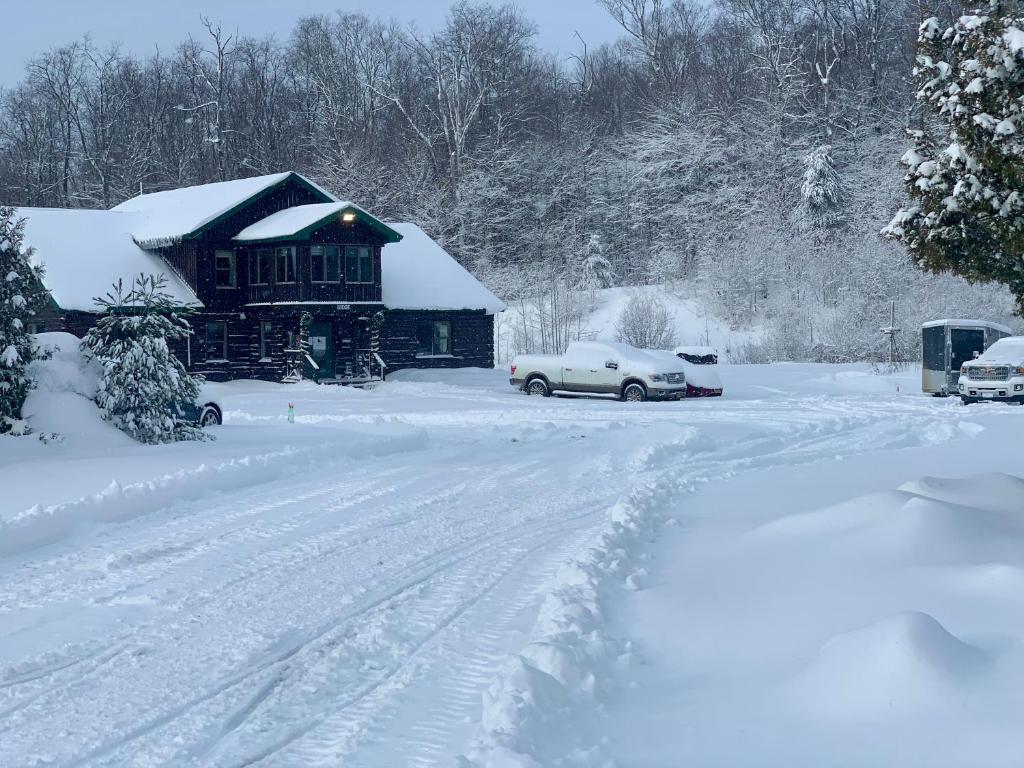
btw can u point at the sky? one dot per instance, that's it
(141, 25)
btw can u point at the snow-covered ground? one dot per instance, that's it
(445, 567)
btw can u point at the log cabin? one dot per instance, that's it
(249, 258)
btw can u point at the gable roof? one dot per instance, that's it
(417, 273)
(174, 214)
(84, 252)
(300, 221)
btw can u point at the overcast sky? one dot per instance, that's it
(34, 26)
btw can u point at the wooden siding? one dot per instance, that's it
(472, 339)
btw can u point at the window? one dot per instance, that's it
(284, 259)
(224, 269)
(265, 329)
(434, 339)
(358, 265)
(324, 263)
(259, 266)
(216, 341)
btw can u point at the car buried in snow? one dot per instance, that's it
(206, 411)
(997, 374)
(602, 368)
(701, 375)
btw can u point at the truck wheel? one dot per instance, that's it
(634, 393)
(537, 386)
(966, 401)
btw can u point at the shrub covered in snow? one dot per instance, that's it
(646, 323)
(20, 295)
(143, 385)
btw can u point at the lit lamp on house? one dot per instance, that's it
(348, 217)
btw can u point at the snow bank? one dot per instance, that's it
(544, 706)
(925, 522)
(40, 525)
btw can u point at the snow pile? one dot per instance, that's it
(901, 664)
(62, 402)
(883, 630)
(544, 707)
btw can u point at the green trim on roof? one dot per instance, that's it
(390, 235)
(292, 175)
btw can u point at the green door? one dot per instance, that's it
(321, 349)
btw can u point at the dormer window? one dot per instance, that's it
(260, 266)
(225, 269)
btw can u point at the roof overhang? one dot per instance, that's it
(343, 213)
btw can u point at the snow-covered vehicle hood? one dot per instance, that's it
(1006, 351)
(704, 376)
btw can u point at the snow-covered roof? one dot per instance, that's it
(175, 213)
(964, 323)
(295, 221)
(84, 252)
(417, 273)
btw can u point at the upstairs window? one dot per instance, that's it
(358, 264)
(260, 266)
(284, 259)
(434, 339)
(324, 264)
(225, 269)
(216, 341)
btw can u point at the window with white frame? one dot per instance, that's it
(324, 264)
(265, 330)
(225, 269)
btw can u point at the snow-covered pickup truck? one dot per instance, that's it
(601, 368)
(998, 374)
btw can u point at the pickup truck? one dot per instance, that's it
(601, 368)
(998, 374)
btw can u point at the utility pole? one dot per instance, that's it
(891, 332)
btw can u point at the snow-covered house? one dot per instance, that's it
(251, 256)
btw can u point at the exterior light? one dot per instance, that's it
(348, 217)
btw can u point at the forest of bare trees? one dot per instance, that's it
(744, 152)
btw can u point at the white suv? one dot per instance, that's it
(998, 374)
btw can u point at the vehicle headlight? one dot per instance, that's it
(1019, 370)
(657, 377)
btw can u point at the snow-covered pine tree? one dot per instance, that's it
(966, 212)
(819, 191)
(144, 386)
(21, 294)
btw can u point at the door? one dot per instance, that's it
(321, 348)
(963, 344)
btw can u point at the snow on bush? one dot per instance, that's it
(647, 323)
(143, 387)
(20, 296)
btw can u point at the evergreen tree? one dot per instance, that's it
(144, 386)
(819, 191)
(966, 213)
(21, 294)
